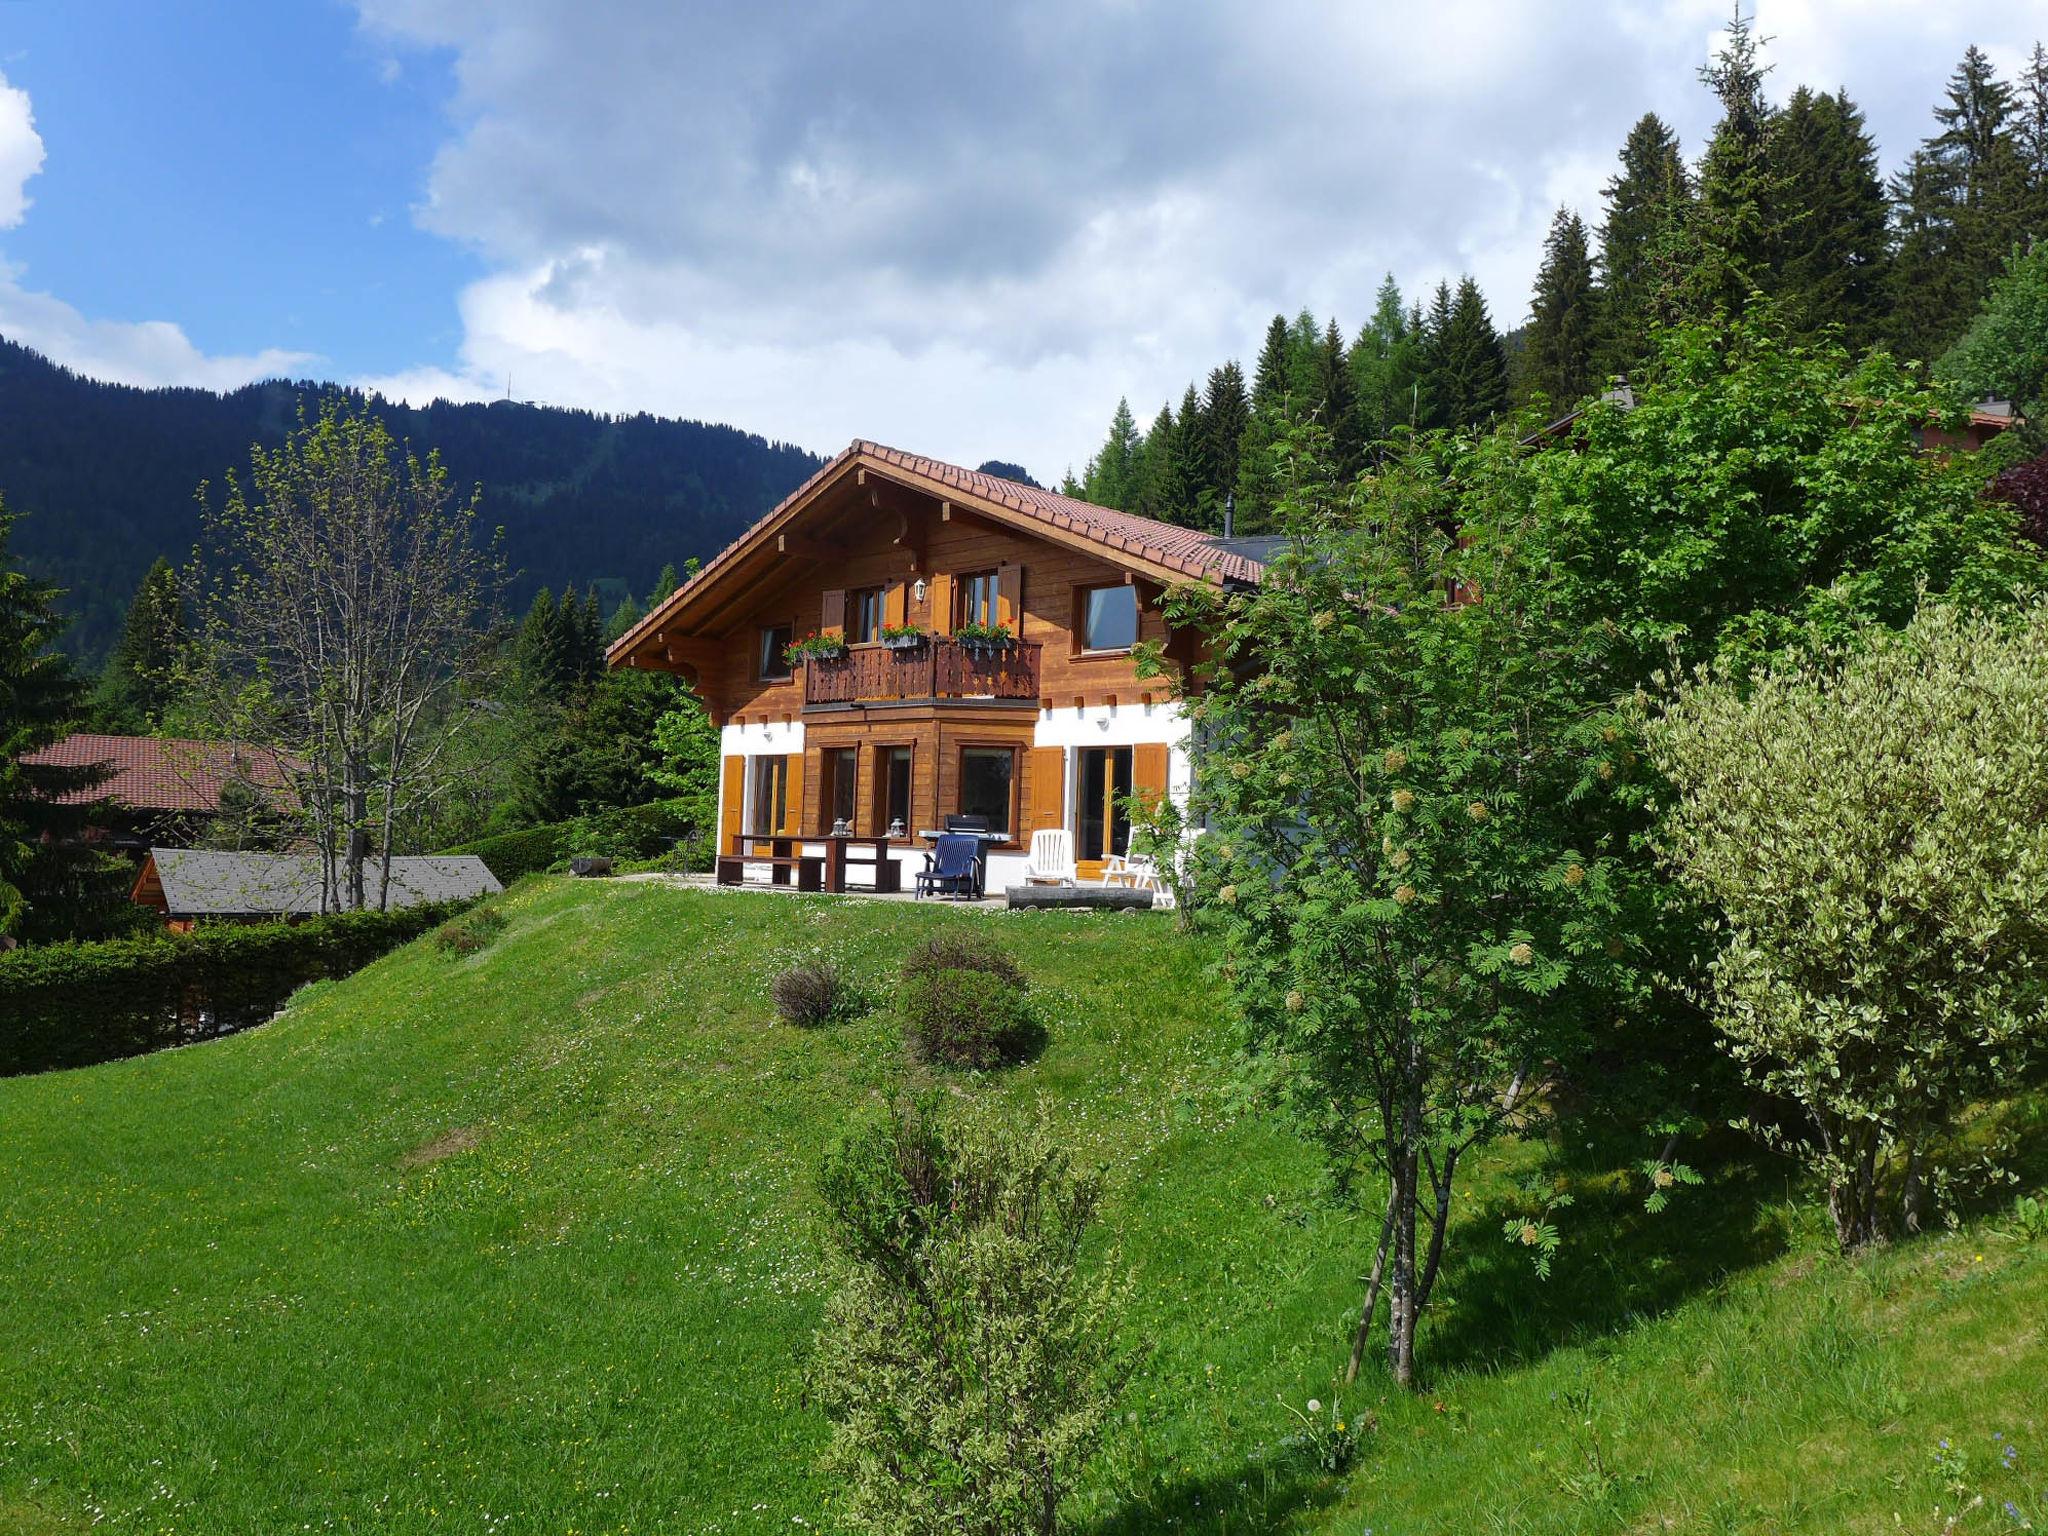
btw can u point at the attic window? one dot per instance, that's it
(1109, 620)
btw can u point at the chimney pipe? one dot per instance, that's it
(1229, 513)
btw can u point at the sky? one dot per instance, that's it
(961, 229)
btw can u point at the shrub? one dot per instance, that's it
(471, 932)
(968, 1358)
(1874, 831)
(624, 834)
(73, 1004)
(963, 1003)
(809, 995)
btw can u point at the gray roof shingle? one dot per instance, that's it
(204, 882)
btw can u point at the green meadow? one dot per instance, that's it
(527, 1241)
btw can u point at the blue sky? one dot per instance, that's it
(247, 170)
(965, 229)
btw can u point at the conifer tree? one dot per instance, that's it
(1226, 414)
(1386, 367)
(1107, 481)
(138, 682)
(1192, 500)
(1433, 331)
(1469, 384)
(2030, 140)
(1304, 364)
(1158, 489)
(1269, 377)
(623, 618)
(1256, 490)
(664, 586)
(1960, 205)
(1641, 239)
(1739, 188)
(1831, 244)
(588, 659)
(1558, 354)
(1337, 404)
(44, 869)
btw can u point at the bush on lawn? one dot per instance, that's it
(472, 931)
(963, 1002)
(968, 1359)
(73, 1004)
(809, 995)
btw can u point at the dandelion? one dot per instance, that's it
(1521, 954)
(1395, 760)
(1314, 1406)
(1403, 798)
(1404, 894)
(1477, 810)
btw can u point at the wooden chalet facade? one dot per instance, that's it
(898, 733)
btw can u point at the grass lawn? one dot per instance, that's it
(525, 1241)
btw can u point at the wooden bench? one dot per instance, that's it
(809, 869)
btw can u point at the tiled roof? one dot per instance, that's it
(151, 773)
(1189, 550)
(200, 882)
(1186, 551)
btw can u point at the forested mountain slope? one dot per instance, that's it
(107, 474)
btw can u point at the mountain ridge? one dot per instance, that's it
(107, 476)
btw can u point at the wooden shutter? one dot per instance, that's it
(1010, 598)
(793, 797)
(1048, 787)
(942, 603)
(896, 605)
(730, 803)
(1148, 771)
(832, 620)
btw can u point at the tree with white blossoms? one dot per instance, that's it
(1873, 829)
(1396, 777)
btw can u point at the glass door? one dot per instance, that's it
(1104, 780)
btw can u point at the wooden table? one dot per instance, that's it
(888, 874)
(785, 857)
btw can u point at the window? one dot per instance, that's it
(771, 795)
(841, 766)
(1109, 618)
(864, 616)
(892, 788)
(1101, 785)
(977, 598)
(986, 778)
(775, 639)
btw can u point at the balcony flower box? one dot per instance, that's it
(905, 637)
(814, 647)
(984, 639)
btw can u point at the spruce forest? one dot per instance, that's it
(1787, 204)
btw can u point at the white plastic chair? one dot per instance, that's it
(1052, 858)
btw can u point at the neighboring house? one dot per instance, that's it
(161, 789)
(193, 885)
(1048, 731)
(1987, 419)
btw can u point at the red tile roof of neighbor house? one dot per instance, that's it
(154, 773)
(1186, 552)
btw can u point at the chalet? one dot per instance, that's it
(194, 885)
(972, 656)
(160, 789)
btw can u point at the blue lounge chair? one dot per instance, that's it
(949, 867)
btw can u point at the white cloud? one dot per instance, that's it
(149, 352)
(972, 227)
(21, 152)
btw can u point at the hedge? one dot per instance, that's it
(630, 832)
(73, 1004)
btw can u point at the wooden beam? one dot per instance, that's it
(809, 548)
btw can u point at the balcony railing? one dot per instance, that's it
(938, 669)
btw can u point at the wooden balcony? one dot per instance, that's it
(938, 669)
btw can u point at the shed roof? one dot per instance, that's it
(205, 882)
